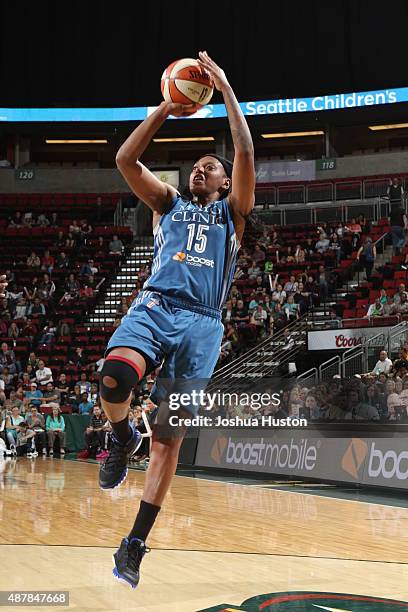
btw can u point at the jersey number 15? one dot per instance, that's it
(198, 237)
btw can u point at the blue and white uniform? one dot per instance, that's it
(176, 318)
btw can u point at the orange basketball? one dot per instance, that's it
(185, 82)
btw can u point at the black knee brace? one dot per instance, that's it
(124, 373)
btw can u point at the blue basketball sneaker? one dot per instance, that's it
(114, 469)
(127, 561)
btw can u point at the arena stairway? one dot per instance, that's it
(123, 284)
(270, 357)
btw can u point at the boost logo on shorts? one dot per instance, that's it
(193, 260)
(303, 601)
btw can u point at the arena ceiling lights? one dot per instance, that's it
(76, 141)
(186, 139)
(294, 134)
(391, 126)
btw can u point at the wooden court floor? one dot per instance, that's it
(214, 542)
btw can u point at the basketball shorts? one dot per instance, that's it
(184, 337)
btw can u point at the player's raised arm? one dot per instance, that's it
(242, 196)
(142, 182)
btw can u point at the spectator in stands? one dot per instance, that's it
(72, 285)
(335, 247)
(31, 290)
(311, 289)
(42, 220)
(355, 229)
(34, 395)
(366, 255)
(86, 229)
(375, 310)
(94, 435)
(291, 309)
(300, 254)
(86, 292)
(48, 334)
(3, 328)
(84, 384)
(258, 318)
(35, 421)
(55, 427)
(398, 223)
(12, 423)
(101, 248)
(70, 242)
(322, 244)
(13, 331)
(61, 241)
(51, 397)
(254, 270)
(63, 387)
(8, 380)
(28, 219)
(115, 246)
(74, 398)
(323, 279)
(401, 307)
(241, 316)
(291, 285)
(43, 374)
(8, 359)
(63, 329)
(395, 191)
(5, 312)
(16, 220)
(75, 230)
(258, 255)
(47, 262)
(77, 357)
(46, 288)
(54, 220)
(85, 406)
(383, 365)
(25, 436)
(37, 310)
(401, 291)
(21, 309)
(62, 261)
(33, 261)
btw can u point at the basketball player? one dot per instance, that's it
(175, 320)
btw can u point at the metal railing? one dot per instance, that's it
(330, 368)
(269, 354)
(310, 377)
(362, 359)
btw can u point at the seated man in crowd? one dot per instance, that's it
(94, 435)
(115, 246)
(383, 365)
(43, 375)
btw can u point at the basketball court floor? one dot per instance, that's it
(217, 542)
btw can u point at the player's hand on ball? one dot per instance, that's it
(178, 110)
(3, 284)
(216, 73)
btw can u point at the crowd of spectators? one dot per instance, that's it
(33, 403)
(286, 281)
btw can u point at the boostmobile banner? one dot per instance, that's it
(371, 461)
(338, 339)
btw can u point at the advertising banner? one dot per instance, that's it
(374, 461)
(275, 172)
(212, 111)
(343, 339)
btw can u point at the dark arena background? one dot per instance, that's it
(290, 488)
